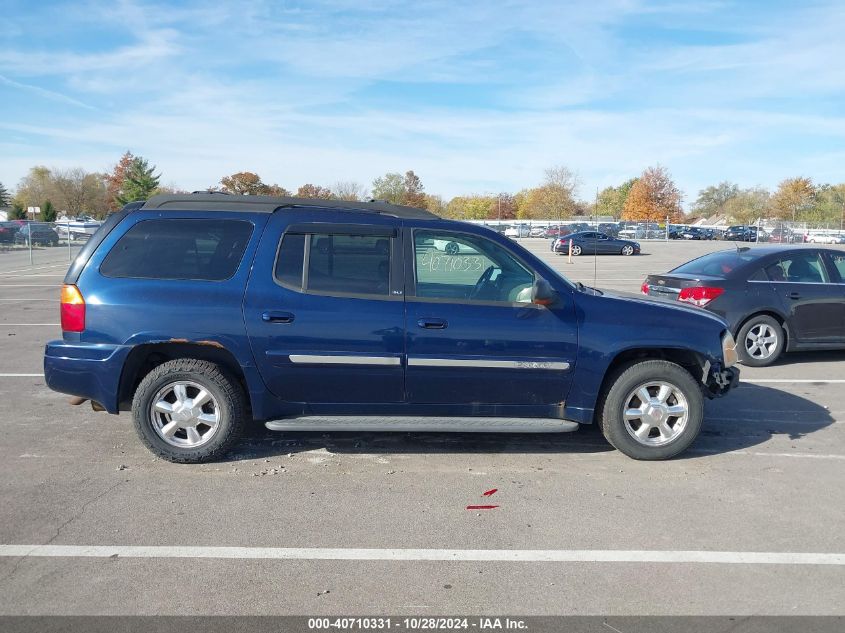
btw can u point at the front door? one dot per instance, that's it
(473, 335)
(325, 313)
(814, 312)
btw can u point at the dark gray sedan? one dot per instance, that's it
(595, 243)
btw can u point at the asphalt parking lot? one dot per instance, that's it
(750, 521)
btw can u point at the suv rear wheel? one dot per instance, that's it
(652, 410)
(188, 410)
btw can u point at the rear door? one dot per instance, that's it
(473, 335)
(836, 266)
(324, 311)
(813, 305)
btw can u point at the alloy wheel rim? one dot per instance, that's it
(576, 250)
(655, 413)
(761, 341)
(185, 414)
(627, 250)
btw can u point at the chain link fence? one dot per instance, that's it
(33, 242)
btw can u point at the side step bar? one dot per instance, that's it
(422, 424)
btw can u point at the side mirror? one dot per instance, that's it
(542, 293)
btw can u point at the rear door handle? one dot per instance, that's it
(794, 295)
(433, 324)
(277, 317)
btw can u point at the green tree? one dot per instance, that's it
(829, 206)
(611, 200)
(713, 200)
(18, 212)
(390, 187)
(470, 207)
(5, 198)
(748, 205)
(140, 182)
(116, 179)
(48, 212)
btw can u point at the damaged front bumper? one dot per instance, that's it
(718, 380)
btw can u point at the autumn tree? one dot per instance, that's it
(505, 207)
(794, 197)
(414, 195)
(140, 183)
(116, 179)
(5, 198)
(80, 191)
(713, 200)
(35, 187)
(314, 191)
(748, 205)
(398, 189)
(653, 197)
(349, 190)
(611, 200)
(829, 207)
(554, 198)
(470, 207)
(435, 204)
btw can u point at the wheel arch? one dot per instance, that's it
(770, 313)
(143, 358)
(686, 358)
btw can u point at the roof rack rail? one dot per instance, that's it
(212, 201)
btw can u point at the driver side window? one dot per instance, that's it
(468, 268)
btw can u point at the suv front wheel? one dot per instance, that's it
(188, 410)
(652, 410)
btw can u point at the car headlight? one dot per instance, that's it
(729, 355)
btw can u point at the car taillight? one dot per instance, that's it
(699, 295)
(644, 288)
(73, 309)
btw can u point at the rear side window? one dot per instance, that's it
(839, 262)
(800, 268)
(335, 263)
(208, 250)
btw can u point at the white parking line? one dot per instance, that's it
(401, 554)
(21, 375)
(23, 324)
(28, 285)
(24, 270)
(30, 299)
(823, 381)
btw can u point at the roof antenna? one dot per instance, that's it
(595, 241)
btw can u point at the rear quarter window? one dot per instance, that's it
(207, 250)
(716, 264)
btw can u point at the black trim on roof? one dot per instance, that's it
(269, 204)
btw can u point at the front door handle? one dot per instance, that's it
(432, 324)
(794, 295)
(277, 317)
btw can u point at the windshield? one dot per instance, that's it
(716, 264)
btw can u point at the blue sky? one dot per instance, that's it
(474, 96)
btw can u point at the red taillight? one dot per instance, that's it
(644, 288)
(73, 309)
(699, 295)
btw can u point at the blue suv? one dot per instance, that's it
(202, 312)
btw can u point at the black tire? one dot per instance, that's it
(744, 347)
(628, 379)
(224, 389)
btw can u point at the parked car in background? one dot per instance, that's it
(451, 247)
(8, 231)
(595, 243)
(519, 230)
(557, 231)
(693, 233)
(744, 233)
(39, 233)
(537, 231)
(611, 229)
(824, 238)
(202, 314)
(784, 235)
(774, 299)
